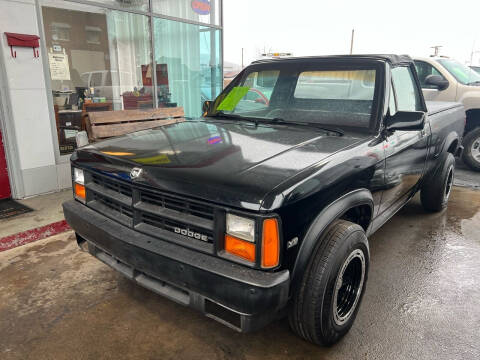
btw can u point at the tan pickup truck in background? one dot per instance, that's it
(445, 79)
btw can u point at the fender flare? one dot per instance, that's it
(329, 214)
(453, 136)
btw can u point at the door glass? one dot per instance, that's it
(423, 70)
(96, 79)
(188, 65)
(408, 98)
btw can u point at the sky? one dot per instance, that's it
(318, 27)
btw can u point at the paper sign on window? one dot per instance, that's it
(59, 69)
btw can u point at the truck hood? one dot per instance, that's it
(223, 161)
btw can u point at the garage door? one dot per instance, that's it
(4, 183)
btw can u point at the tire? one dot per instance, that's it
(436, 190)
(471, 152)
(341, 253)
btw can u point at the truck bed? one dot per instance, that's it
(446, 120)
(435, 107)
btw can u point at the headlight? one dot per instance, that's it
(240, 227)
(79, 185)
(78, 176)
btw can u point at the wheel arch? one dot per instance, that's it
(473, 120)
(356, 206)
(451, 143)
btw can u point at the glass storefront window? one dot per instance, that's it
(139, 5)
(189, 57)
(100, 59)
(205, 11)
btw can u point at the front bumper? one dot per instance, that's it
(241, 298)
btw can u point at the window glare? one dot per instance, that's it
(462, 73)
(356, 84)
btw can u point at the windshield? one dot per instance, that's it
(327, 96)
(462, 73)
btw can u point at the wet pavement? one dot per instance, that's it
(422, 302)
(466, 177)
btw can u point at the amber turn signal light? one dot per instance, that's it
(80, 193)
(241, 248)
(270, 243)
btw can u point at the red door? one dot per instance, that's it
(4, 183)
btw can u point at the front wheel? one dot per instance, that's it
(471, 152)
(325, 305)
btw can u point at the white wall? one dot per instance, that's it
(26, 90)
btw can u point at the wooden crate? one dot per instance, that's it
(101, 125)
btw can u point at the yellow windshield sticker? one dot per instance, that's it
(233, 98)
(154, 160)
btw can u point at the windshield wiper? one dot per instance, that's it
(257, 120)
(236, 117)
(302, 123)
(474, 83)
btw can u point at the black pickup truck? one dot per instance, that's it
(262, 207)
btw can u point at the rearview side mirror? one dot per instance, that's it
(405, 120)
(438, 81)
(206, 106)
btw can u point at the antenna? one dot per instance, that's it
(351, 42)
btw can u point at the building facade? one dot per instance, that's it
(103, 55)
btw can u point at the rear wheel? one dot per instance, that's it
(471, 153)
(326, 304)
(436, 190)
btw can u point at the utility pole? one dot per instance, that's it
(351, 42)
(242, 58)
(473, 52)
(436, 49)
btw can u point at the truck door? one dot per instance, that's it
(431, 92)
(405, 151)
(4, 182)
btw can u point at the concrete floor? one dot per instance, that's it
(422, 302)
(47, 209)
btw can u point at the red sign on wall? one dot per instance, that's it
(4, 183)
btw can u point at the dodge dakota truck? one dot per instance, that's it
(262, 207)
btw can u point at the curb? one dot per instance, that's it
(25, 237)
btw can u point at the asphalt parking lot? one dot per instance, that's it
(422, 302)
